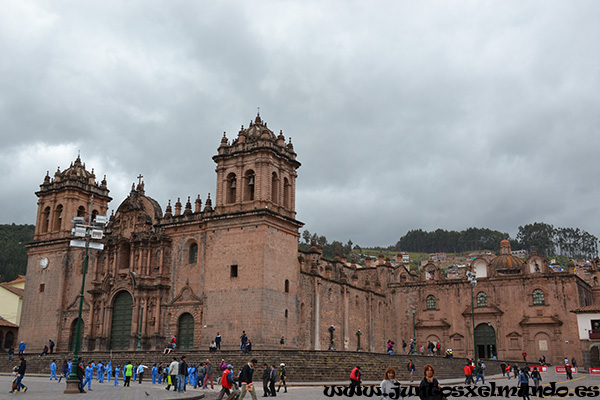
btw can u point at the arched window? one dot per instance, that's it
(431, 302)
(287, 193)
(9, 340)
(538, 297)
(46, 219)
(481, 299)
(287, 286)
(193, 256)
(58, 214)
(275, 188)
(231, 188)
(81, 211)
(249, 190)
(1, 339)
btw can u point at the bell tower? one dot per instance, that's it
(54, 270)
(256, 170)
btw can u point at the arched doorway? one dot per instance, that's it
(185, 334)
(9, 340)
(74, 335)
(594, 356)
(485, 338)
(120, 331)
(1, 339)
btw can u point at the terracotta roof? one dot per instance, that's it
(18, 291)
(7, 324)
(587, 309)
(18, 279)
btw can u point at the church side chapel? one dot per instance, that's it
(231, 263)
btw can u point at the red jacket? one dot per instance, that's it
(224, 382)
(355, 374)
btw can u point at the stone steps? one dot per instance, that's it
(301, 365)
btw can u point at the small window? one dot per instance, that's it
(286, 313)
(234, 271)
(287, 286)
(481, 299)
(193, 256)
(431, 302)
(538, 297)
(42, 287)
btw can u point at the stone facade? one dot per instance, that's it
(199, 269)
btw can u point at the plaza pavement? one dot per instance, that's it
(40, 387)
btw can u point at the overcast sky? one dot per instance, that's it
(404, 114)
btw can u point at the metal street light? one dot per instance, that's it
(472, 278)
(139, 345)
(93, 230)
(413, 310)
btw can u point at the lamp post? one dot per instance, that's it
(413, 309)
(87, 233)
(139, 345)
(472, 277)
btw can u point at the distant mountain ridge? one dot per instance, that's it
(13, 253)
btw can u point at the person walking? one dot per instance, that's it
(265, 378)
(411, 370)
(20, 375)
(227, 382)
(282, 378)
(429, 388)
(467, 371)
(208, 375)
(479, 372)
(355, 377)
(523, 384)
(128, 373)
(53, 370)
(272, 380)
(246, 380)
(183, 374)
(117, 370)
(109, 370)
(140, 372)
(154, 373)
(89, 373)
(537, 378)
(569, 371)
(65, 371)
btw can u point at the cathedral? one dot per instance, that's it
(232, 264)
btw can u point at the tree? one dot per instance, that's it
(306, 236)
(539, 236)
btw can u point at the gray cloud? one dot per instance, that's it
(404, 115)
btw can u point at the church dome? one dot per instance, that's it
(506, 263)
(258, 130)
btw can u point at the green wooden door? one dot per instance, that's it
(120, 331)
(485, 337)
(185, 336)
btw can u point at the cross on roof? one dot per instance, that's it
(140, 176)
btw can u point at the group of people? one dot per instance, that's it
(243, 380)
(474, 371)
(411, 348)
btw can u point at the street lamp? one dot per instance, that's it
(472, 278)
(83, 235)
(413, 310)
(139, 345)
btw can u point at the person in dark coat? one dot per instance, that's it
(246, 380)
(265, 378)
(429, 388)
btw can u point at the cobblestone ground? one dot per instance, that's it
(42, 388)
